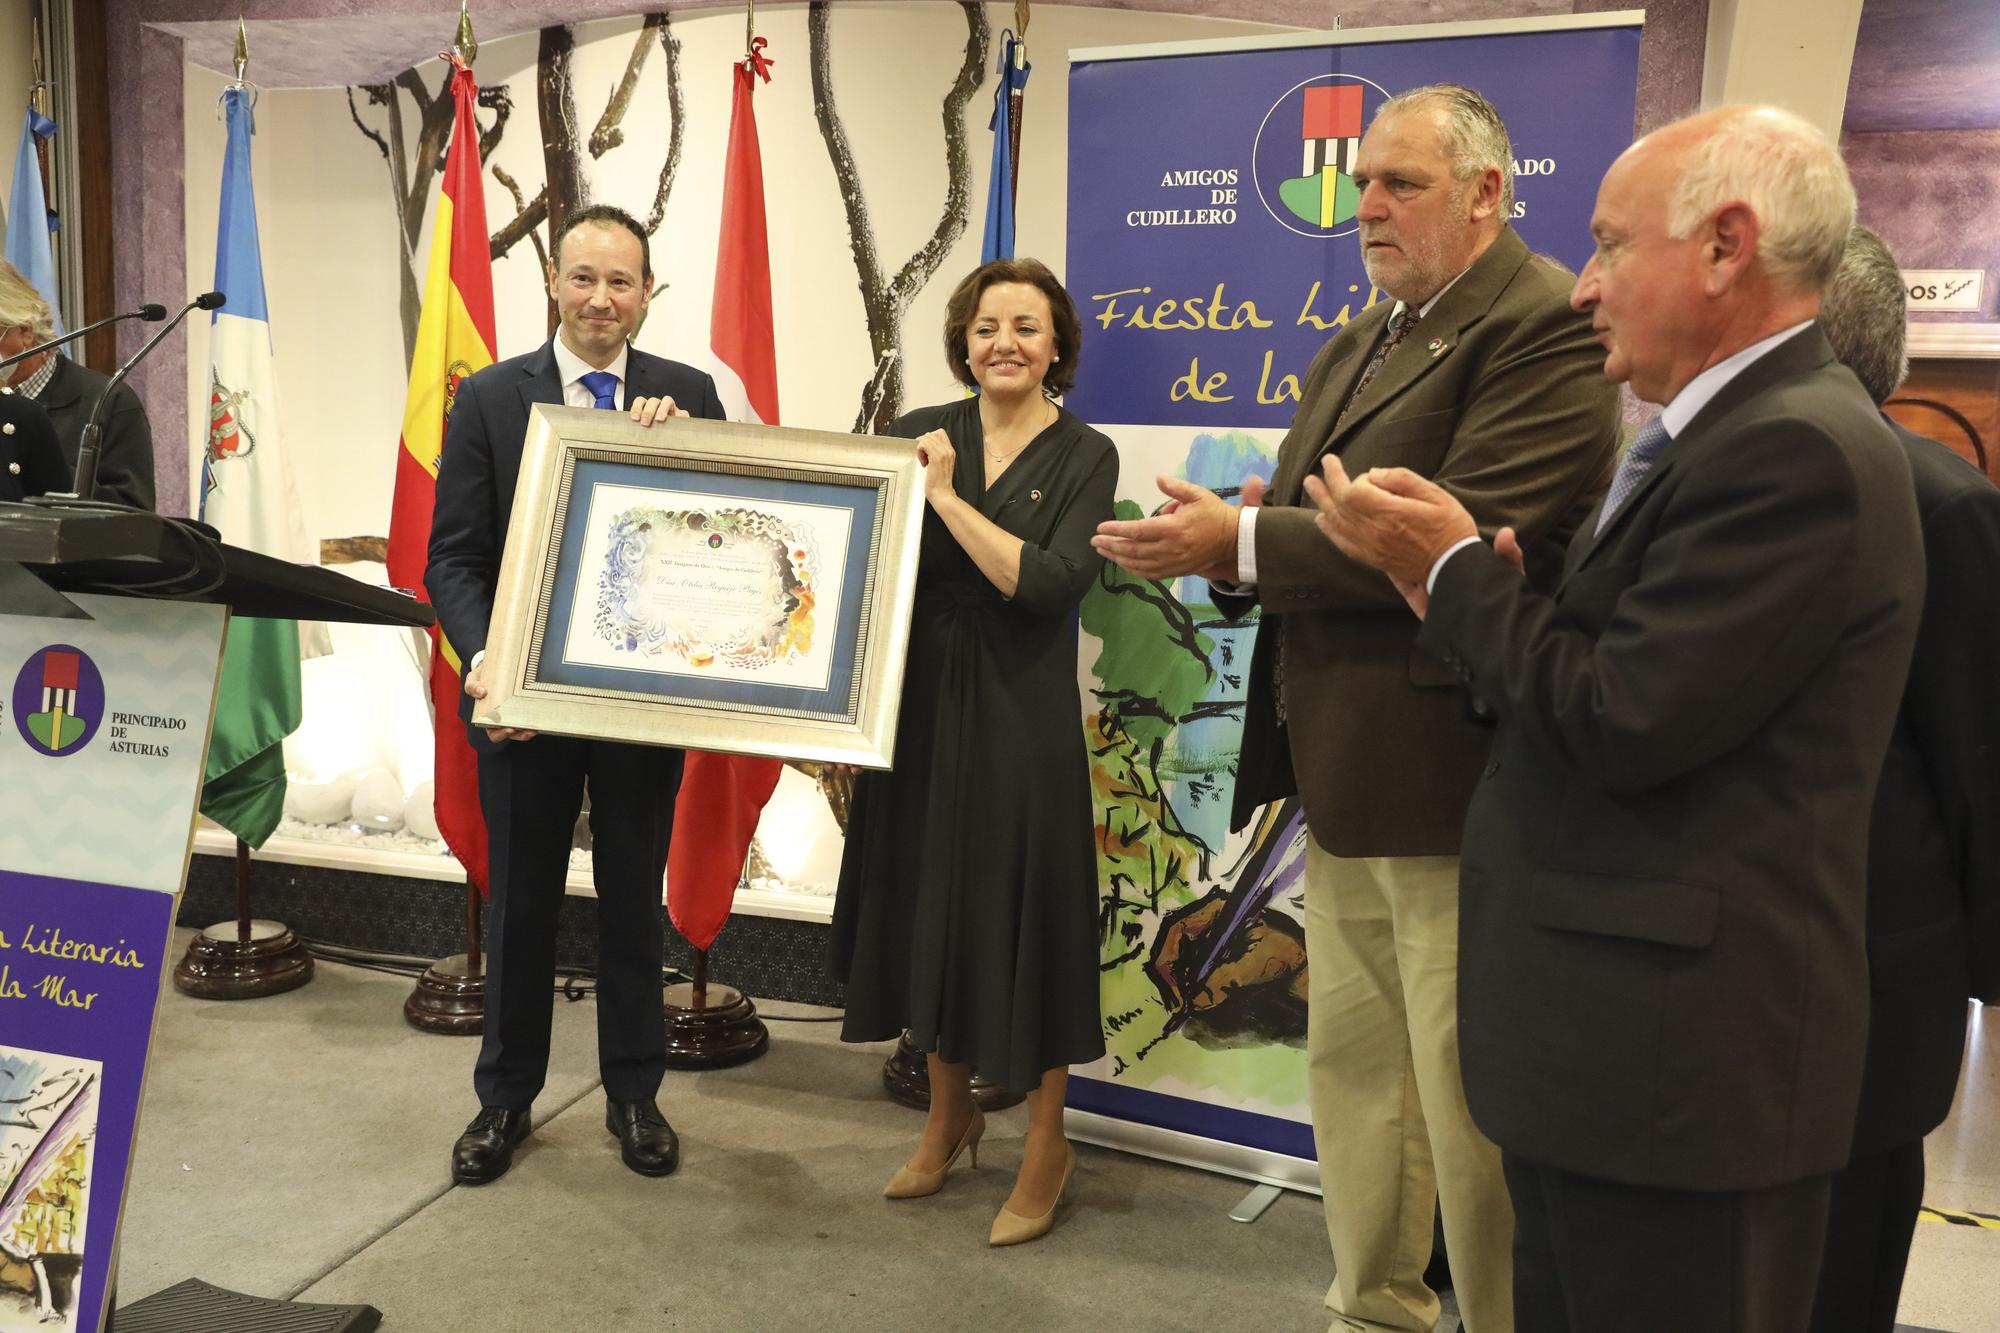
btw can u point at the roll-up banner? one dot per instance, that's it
(1211, 253)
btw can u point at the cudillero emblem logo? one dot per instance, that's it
(1302, 163)
(58, 700)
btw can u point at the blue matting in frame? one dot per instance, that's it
(863, 503)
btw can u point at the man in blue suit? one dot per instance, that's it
(531, 787)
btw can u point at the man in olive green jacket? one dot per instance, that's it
(1479, 376)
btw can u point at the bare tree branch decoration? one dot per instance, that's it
(886, 300)
(526, 219)
(670, 48)
(413, 172)
(555, 97)
(608, 135)
(412, 175)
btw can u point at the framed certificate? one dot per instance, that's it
(706, 584)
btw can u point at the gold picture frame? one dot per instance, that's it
(707, 584)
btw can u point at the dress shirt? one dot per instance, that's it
(32, 386)
(572, 368)
(1246, 527)
(1694, 396)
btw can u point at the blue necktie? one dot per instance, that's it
(1646, 449)
(604, 385)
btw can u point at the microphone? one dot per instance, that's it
(151, 312)
(87, 448)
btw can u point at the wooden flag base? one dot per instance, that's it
(227, 962)
(243, 959)
(449, 999)
(709, 1025)
(907, 1076)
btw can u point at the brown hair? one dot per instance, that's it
(964, 304)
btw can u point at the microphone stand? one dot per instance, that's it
(149, 313)
(87, 448)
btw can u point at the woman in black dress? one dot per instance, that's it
(967, 905)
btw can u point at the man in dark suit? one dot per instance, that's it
(69, 393)
(1934, 844)
(30, 460)
(1663, 984)
(531, 787)
(1477, 374)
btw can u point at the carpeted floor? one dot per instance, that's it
(297, 1147)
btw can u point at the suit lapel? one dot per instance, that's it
(1589, 538)
(1361, 335)
(540, 382)
(1800, 354)
(645, 377)
(1431, 342)
(65, 387)
(1427, 345)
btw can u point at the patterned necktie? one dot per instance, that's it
(604, 385)
(1400, 324)
(1640, 459)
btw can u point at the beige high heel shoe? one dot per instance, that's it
(910, 1184)
(1010, 1228)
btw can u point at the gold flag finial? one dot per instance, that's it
(242, 50)
(38, 91)
(465, 44)
(1021, 19)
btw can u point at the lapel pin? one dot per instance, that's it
(1034, 495)
(13, 469)
(1437, 347)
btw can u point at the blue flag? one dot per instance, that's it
(248, 493)
(1014, 69)
(29, 221)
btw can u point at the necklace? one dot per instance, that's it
(1036, 434)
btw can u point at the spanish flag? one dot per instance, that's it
(454, 339)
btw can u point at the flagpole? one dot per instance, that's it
(467, 47)
(713, 1026)
(246, 959)
(449, 999)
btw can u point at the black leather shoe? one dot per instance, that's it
(486, 1149)
(645, 1140)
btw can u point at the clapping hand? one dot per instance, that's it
(1194, 532)
(1390, 519)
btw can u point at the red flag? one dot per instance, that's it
(454, 339)
(722, 795)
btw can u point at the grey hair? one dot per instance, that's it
(1865, 315)
(1475, 137)
(1778, 164)
(21, 304)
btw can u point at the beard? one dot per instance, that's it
(1422, 264)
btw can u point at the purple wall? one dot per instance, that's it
(1935, 198)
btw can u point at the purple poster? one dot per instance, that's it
(103, 726)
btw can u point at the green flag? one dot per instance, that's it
(249, 497)
(257, 705)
